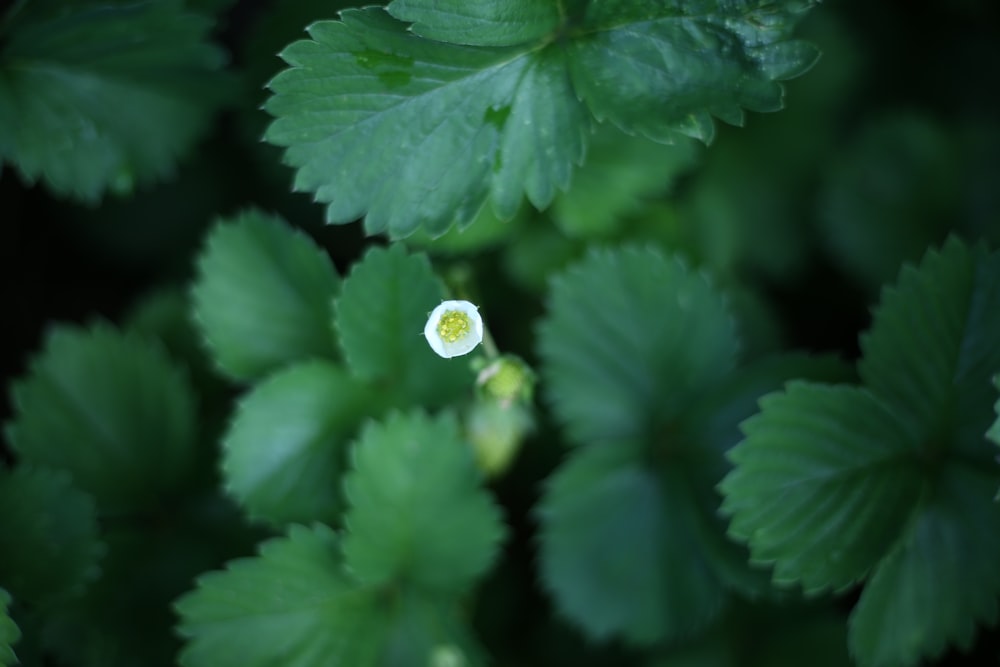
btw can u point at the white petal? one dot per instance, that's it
(465, 344)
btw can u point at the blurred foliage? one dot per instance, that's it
(797, 221)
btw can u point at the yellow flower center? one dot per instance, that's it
(453, 325)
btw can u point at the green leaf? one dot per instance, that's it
(284, 452)
(49, 544)
(932, 349)
(939, 581)
(615, 554)
(658, 69)
(822, 485)
(112, 410)
(293, 606)
(438, 127)
(380, 318)
(662, 573)
(418, 514)
(894, 480)
(478, 22)
(105, 96)
(692, 456)
(9, 632)
(632, 338)
(262, 297)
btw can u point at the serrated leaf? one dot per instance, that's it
(293, 606)
(418, 516)
(832, 483)
(680, 566)
(939, 582)
(437, 127)
(262, 296)
(49, 539)
(452, 114)
(631, 339)
(285, 449)
(380, 317)
(932, 348)
(823, 484)
(695, 451)
(478, 22)
(112, 410)
(614, 553)
(659, 70)
(105, 97)
(9, 632)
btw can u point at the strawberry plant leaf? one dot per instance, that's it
(613, 555)
(835, 452)
(418, 516)
(932, 349)
(478, 22)
(112, 410)
(509, 117)
(380, 317)
(892, 481)
(591, 526)
(49, 543)
(939, 580)
(631, 339)
(285, 449)
(293, 605)
(262, 297)
(105, 96)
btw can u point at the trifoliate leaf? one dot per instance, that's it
(418, 515)
(262, 297)
(894, 478)
(659, 70)
(49, 544)
(380, 318)
(112, 410)
(631, 339)
(615, 553)
(823, 484)
(478, 22)
(293, 606)
(932, 349)
(104, 96)
(682, 564)
(9, 632)
(417, 133)
(939, 581)
(284, 452)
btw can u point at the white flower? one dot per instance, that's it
(454, 328)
